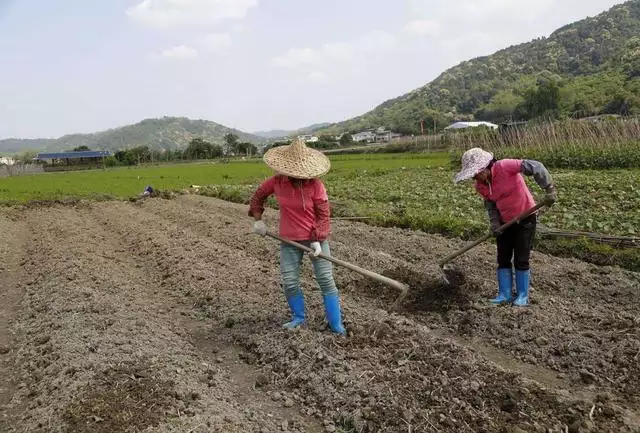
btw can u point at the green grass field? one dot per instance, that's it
(125, 182)
(400, 189)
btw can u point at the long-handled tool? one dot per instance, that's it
(454, 277)
(403, 288)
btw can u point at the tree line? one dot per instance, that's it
(197, 149)
(325, 141)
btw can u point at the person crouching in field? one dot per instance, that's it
(506, 195)
(304, 218)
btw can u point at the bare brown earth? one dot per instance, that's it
(164, 316)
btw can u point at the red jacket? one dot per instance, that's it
(507, 189)
(304, 209)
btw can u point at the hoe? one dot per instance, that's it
(403, 288)
(453, 276)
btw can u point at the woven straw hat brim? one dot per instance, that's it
(297, 160)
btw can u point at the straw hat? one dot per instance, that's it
(473, 162)
(297, 160)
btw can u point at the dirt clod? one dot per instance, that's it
(509, 405)
(542, 341)
(576, 427)
(261, 381)
(588, 377)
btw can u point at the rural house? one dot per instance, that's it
(463, 125)
(367, 136)
(309, 138)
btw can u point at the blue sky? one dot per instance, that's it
(73, 66)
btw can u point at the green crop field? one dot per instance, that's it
(127, 182)
(420, 193)
(123, 182)
(401, 189)
(405, 190)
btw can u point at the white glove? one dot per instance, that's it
(260, 228)
(317, 249)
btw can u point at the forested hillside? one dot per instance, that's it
(169, 133)
(585, 68)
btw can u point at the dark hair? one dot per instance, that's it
(297, 181)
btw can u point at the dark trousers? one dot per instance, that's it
(515, 244)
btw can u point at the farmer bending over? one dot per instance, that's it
(304, 218)
(505, 193)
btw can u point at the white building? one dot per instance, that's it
(367, 136)
(309, 138)
(462, 125)
(7, 160)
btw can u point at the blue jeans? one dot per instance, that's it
(290, 261)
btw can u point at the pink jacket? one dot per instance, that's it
(304, 209)
(507, 189)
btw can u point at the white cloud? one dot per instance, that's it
(374, 42)
(423, 27)
(377, 41)
(338, 50)
(467, 11)
(295, 58)
(215, 42)
(238, 28)
(166, 14)
(317, 77)
(180, 52)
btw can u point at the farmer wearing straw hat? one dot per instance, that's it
(505, 193)
(304, 218)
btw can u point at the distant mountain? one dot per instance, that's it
(279, 133)
(312, 128)
(275, 133)
(163, 133)
(594, 63)
(15, 145)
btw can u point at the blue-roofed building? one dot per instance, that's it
(85, 159)
(72, 155)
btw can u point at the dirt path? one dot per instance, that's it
(166, 316)
(103, 346)
(12, 236)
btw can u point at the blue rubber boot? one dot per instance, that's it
(505, 286)
(296, 303)
(333, 313)
(522, 287)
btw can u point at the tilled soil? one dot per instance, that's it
(165, 316)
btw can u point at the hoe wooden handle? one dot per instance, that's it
(381, 278)
(501, 229)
